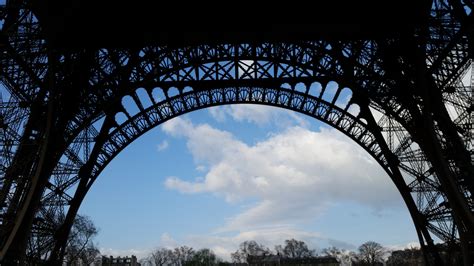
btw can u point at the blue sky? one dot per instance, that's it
(220, 176)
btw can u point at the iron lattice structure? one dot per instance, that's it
(63, 117)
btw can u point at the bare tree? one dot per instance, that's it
(203, 256)
(332, 251)
(249, 248)
(371, 253)
(295, 249)
(90, 254)
(176, 257)
(146, 261)
(80, 243)
(182, 254)
(342, 256)
(161, 256)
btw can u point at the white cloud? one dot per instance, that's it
(163, 145)
(201, 168)
(218, 113)
(184, 187)
(294, 175)
(257, 114)
(167, 241)
(409, 245)
(177, 127)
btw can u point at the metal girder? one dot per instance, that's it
(382, 75)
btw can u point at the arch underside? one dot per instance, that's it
(208, 76)
(120, 135)
(232, 74)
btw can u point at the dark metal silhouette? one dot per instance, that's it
(62, 119)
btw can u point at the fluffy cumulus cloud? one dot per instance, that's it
(293, 175)
(257, 114)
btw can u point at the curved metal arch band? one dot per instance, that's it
(120, 137)
(124, 134)
(221, 65)
(204, 67)
(218, 64)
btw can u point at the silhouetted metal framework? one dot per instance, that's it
(63, 117)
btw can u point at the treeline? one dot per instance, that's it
(369, 253)
(183, 255)
(82, 250)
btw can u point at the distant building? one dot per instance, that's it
(276, 260)
(120, 261)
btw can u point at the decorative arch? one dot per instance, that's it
(276, 74)
(117, 135)
(379, 71)
(123, 134)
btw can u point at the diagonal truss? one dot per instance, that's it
(51, 108)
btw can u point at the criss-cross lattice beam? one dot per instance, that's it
(378, 72)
